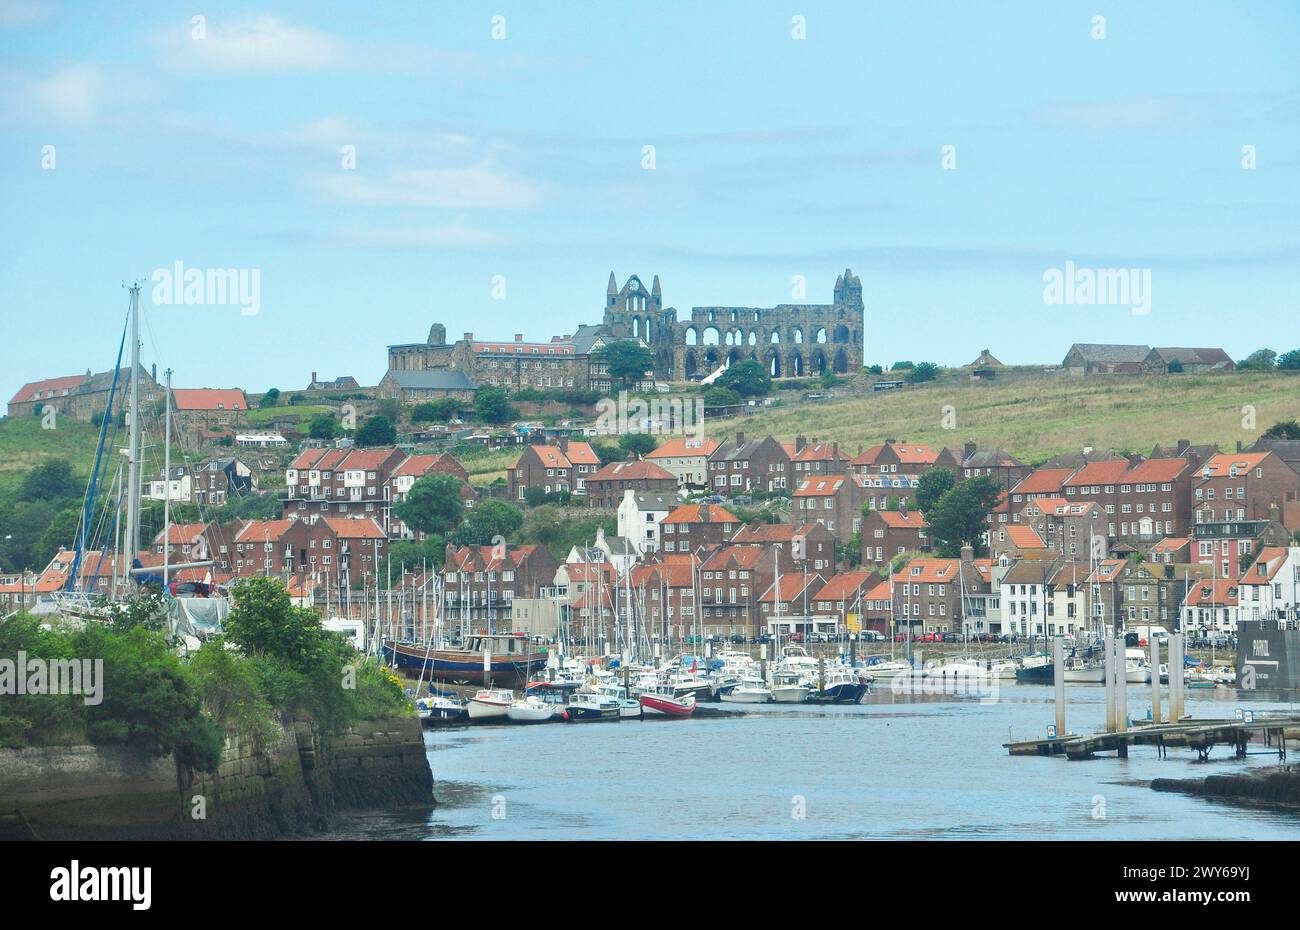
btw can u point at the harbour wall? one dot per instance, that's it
(293, 786)
(1272, 786)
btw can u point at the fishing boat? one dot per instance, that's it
(1036, 670)
(1085, 671)
(663, 702)
(439, 709)
(628, 708)
(790, 687)
(490, 703)
(511, 659)
(591, 706)
(1137, 669)
(530, 709)
(878, 667)
(842, 685)
(749, 690)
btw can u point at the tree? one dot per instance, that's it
(489, 520)
(264, 622)
(60, 534)
(410, 556)
(433, 505)
(1286, 429)
(747, 378)
(492, 404)
(923, 371)
(1259, 360)
(1289, 361)
(875, 370)
(720, 397)
(435, 411)
(901, 366)
(50, 481)
(628, 362)
(960, 515)
(637, 443)
(324, 427)
(377, 431)
(608, 452)
(391, 408)
(1175, 367)
(270, 399)
(933, 485)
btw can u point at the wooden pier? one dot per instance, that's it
(1201, 735)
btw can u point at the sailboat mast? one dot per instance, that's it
(167, 480)
(131, 540)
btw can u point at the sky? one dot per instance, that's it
(383, 166)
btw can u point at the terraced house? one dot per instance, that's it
(608, 485)
(744, 464)
(563, 467)
(341, 482)
(834, 501)
(1143, 501)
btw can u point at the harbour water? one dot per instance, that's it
(894, 767)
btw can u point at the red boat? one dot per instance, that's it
(660, 701)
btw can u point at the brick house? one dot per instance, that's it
(816, 458)
(1143, 501)
(908, 458)
(833, 500)
(687, 457)
(692, 527)
(665, 595)
(565, 466)
(927, 595)
(1227, 544)
(1066, 527)
(787, 606)
(280, 548)
(744, 465)
(1003, 467)
(480, 583)
(842, 598)
(1243, 486)
(359, 548)
(1040, 482)
(731, 579)
(809, 543)
(341, 483)
(886, 533)
(889, 492)
(208, 406)
(402, 478)
(606, 487)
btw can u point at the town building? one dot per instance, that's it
(744, 465)
(606, 487)
(686, 457)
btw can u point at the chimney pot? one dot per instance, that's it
(519, 337)
(313, 377)
(740, 438)
(469, 337)
(968, 450)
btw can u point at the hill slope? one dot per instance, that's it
(1036, 418)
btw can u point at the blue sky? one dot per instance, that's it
(522, 157)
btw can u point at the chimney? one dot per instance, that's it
(1134, 460)
(1183, 446)
(1238, 445)
(469, 337)
(519, 337)
(313, 377)
(800, 442)
(967, 552)
(902, 506)
(967, 451)
(890, 442)
(563, 443)
(740, 438)
(153, 371)
(835, 455)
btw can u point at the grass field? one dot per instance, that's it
(259, 416)
(1037, 417)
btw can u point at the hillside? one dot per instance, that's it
(1036, 418)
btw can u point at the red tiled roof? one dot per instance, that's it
(32, 389)
(1111, 471)
(700, 513)
(818, 452)
(639, 470)
(1266, 566)
(1157, 470)
(937, 571)
(745, 557)
(1220, 466)
(421, 465)
(209, 399)
(912, 520)
(346, 528)
(790, 586)
(846, 585)
(1042, 481)
(684, 446)
(181, 533)
(824, 486)
(1025, 537)
(1223, 593)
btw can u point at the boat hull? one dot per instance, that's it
(485, 710)
(839, 694)
(791, 695)
(530, 713)
(591, 714)
(657, 706)
(736, 696)
(460, 665)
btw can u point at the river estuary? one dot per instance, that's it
(894, 767)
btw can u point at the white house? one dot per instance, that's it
(639, 516)
(1270, 588)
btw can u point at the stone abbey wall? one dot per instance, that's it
(790, 340)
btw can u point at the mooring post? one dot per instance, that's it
(1176, 678)
(1108, 654)
(1058, 676)
(1121, 688)
(1154, 644)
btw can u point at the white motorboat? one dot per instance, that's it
(790, 687)
(628, 708)
(749, 690)
(530, 709)
(591, 706)
(488, 703)
(1086, 671)
(1137, 670)
(888, 668)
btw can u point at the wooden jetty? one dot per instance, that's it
(1201, 735)
(1177, 729)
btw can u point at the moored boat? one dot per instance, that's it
(530, 709)
(586, 706)
(490, 703)
(439, 709)
(748, 691)
(842, 685)
(511, 658)
(662, 702)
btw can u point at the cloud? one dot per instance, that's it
(69, 95)
(449, 238)
(477, 187)
(251, 45)
(1154, 112)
